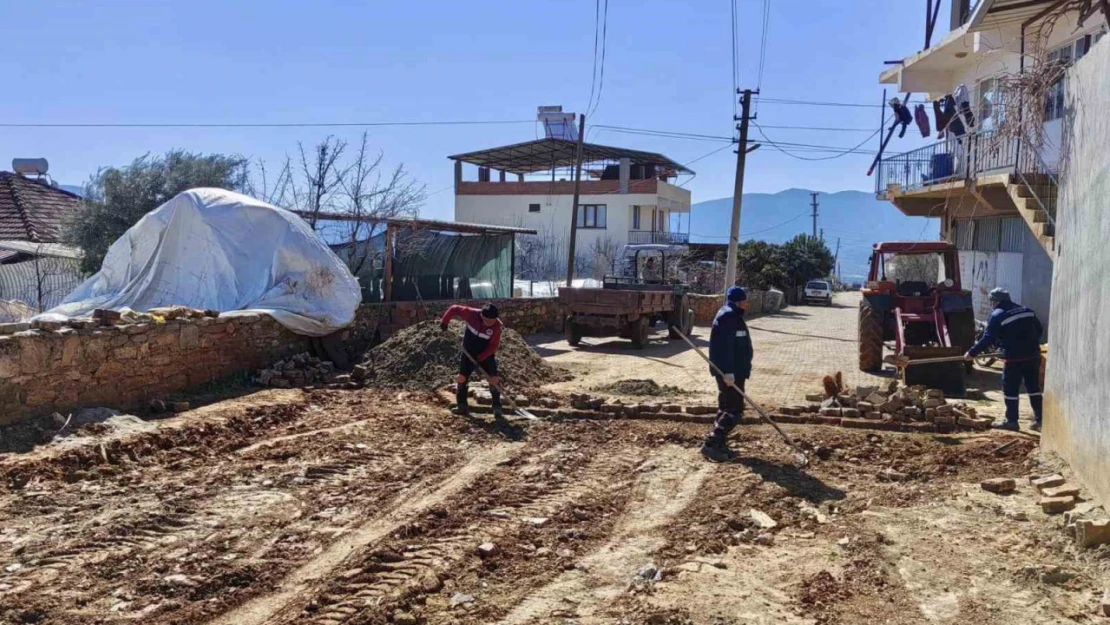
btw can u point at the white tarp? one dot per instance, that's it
(219, 250)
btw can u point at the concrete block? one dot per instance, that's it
(1056, 505)
(1066, 490)
(851, 413)
(1049, 481)
(831, 412)
(1089, 533)
(999, 485)
(933, 402)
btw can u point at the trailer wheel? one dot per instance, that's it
(573, 333)
(637, 331)
(961, 331)
(870, 338)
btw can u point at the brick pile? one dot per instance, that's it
(297, 370)
(905, 405)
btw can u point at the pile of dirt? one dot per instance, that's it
(647, 388)
(424, 357)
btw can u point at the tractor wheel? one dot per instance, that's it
(573, 333)
(637, 331)
(870, 338)
(961, 330)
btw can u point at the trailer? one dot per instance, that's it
(625, 307)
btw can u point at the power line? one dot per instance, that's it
(819, 103)
(593, 77)
(604, 39)
(763, 47)
(663, 133)
(851, 150)
(820, 128)
(778, 225)
(257, 125)
(735, 63)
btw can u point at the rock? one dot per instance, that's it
(157, 405)
(815, 397)
(830, 403)
(844, 542)
(537, 521)
(179, 580)
(650, 573)
(765, 539)
(946, 410)
(934, 393)
(1055, 575)
(873, 415)
(894, 404)
(850, 413)
(945, 421)
(13, 567)
(762, 519)
(865, 406)
(877, 399)
(404, 618)
(1106, 603)
(430, 582)
(487, 550)
(1089, 533)
(542, 551)
(179, 406)
(1056, 505)
(1061, 491)
(930, 414)
(461, 599)
(831, 412)
(890, 475)
(866, 391)
(1049, 481)
(999, 485)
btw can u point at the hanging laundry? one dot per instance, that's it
(954, 125)
(963, 102)
(942, 118)
(902, 115)
(922, 119)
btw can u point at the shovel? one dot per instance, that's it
(800, 457)
(512, 404)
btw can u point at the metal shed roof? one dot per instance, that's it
(552, 153)
(993, 13)
(428, 224)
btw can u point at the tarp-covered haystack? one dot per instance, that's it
(219, 250)
(425, 357)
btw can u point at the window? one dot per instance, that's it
(591, 216)
(1064, 56)
(662, 221)
(988, 103)
(635, 217)
(533, 208)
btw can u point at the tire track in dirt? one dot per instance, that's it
(667, 485)
(430, 558)
(300, 582)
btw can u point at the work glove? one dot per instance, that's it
(730, 379)
(968, 356)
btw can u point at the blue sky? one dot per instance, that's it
(667, 67)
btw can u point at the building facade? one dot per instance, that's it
(626, 197)
(992, 181)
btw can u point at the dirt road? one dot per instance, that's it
(369, 507)
(794, 349)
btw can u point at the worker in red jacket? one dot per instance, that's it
(482, 336)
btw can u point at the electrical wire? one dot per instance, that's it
(593, 77)
(257, 125)
(819, 103)
(663, 133)
(851, 150)
(749, 234)
(763, 47)
(735, 64)
(604, 39)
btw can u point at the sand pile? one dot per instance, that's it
(425, 357)
(647, 388)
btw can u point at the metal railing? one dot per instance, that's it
(641, 237)
(955, 158)
(1041, 181)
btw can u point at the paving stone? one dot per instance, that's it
(1000, 485)
(1089, 533)
(1049, 481)
(1056, 505)
(1066, 490)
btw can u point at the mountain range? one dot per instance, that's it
(856, 218)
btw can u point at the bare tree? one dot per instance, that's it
(603, 254)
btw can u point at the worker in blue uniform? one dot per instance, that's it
(730, 351)
(1017, 331)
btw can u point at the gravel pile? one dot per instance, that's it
(645, 388)
(424, 357)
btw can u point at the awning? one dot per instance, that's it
(551, 153)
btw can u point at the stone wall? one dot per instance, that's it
(706, 306)
(124, 366)
(1077, 397)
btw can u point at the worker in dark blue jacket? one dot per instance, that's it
(1017, 331)
(730, 350)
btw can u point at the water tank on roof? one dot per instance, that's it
(30, 166)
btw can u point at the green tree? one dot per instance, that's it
(760, 266)
(763, 265)
(116, 198)
(804, 258)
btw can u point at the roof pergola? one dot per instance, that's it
(550, 153)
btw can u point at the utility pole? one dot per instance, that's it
(738, 188)
(836, 259)
(813, 194)
(822, 234)
(574, 206)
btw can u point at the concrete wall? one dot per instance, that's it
(1036, 278)
(705, 307)
(1077, 393)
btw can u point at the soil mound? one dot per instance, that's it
(647, 388)
(425, 357)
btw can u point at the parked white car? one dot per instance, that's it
(818, 291)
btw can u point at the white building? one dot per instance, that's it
(994, 191)
(626, 197)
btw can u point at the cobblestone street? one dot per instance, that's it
(794, 349)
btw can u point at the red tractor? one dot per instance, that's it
(913, 297)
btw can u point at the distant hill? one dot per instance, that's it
(855, 216)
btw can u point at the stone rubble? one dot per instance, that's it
(297, 370)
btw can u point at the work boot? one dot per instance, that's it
(1037, 425)
(498, 413)
(461, 407)
(1011, 426)
(462, 411)
(717, 452)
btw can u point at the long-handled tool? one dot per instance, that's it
(512, 404)
(800, 457)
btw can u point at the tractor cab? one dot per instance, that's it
(914, 298)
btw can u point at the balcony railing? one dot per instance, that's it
(641, 237)
(955, 158)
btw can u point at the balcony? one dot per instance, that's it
(643, 237)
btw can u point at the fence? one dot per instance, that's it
(955, 158)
